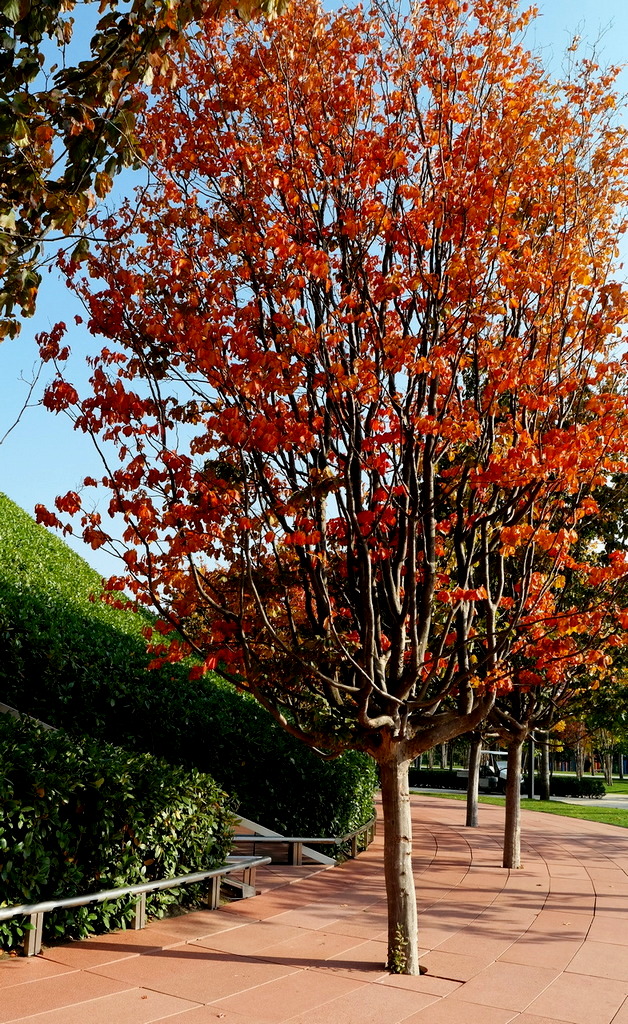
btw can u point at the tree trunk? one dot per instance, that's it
(403, 935)
(531, 748)
(579, 759)
(473, 782)
(443, 755)
(512, 824)
(544, 779)
(608, 768)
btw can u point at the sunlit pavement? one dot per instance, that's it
(542, 945)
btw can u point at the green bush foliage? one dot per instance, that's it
(441, 778)
(79, 664)
(78, 816)
(436, 778)
(567, 785)
(277, 780)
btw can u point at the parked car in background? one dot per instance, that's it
(493, 771)
(494, 766)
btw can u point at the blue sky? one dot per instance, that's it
(43, 456)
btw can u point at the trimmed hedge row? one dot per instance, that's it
(442, 778)
(81, 665)
(77, 816)
(436, 778)
(570, 785)
(276, 779)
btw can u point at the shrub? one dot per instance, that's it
(275, 778)
(437, 778)
(81, 665)
(565, 785)
(77, 816)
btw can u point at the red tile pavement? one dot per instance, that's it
(543, 945)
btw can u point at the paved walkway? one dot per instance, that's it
(545, 944)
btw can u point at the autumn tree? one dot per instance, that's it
(476, 740)
(592, 695)
(570, 648)
(357, 372)
(515, 718)
(597, 719)
(66, 129)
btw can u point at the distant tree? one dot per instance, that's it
(473, 777)
(598, 717)
(358, 373)
(515, 718)
(65, 130)
(567, 670)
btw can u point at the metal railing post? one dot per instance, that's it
(139, 915)
(213, 894)
(295, 854)
(33, 935)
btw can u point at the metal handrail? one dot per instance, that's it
(6, 709)
(311, 840)
(296, 843)
(35, 911)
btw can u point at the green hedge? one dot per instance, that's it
(567, 785)
(441, 778)
(77, 816)
(276, 779)
(436, 778)
(81, 665)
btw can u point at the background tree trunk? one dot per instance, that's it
(475, 749)
(579, 759)
(403, 944)
(544, 775)
(512, 825)
(530, 766)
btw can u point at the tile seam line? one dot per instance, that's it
(286, 1020)
(576, 860)
(35, 981)
(619, 1009)
(259, 953)
(85, 1002)
(150, 988)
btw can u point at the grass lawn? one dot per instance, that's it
(607, 815)
(618, 788)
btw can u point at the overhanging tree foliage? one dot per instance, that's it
(66, 129)
(358, 374)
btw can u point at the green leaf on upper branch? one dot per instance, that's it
(80, 251)
(21, 136)
(102, 184)
(14, 10)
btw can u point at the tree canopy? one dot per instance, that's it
(361, 375)
(67, 128)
